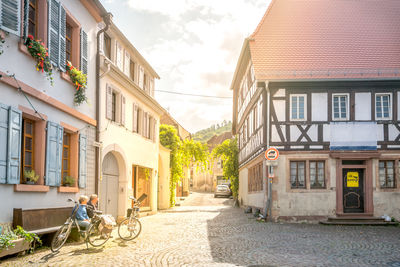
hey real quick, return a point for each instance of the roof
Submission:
(166, 118)
(325, 39)
(218, 139)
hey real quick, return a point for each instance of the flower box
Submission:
(20, 245)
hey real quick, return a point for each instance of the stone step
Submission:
(359, 222)
(358, 219)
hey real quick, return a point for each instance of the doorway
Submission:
(142, 178)
(109, 186)
(353, 190)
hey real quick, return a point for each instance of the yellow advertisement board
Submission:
(352, 179)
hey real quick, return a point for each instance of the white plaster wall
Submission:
(353, 134)
(279, 106)
(387, 203)
(363, 106)
(246, 198)
(319, 108)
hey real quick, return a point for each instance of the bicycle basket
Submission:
(129, 212)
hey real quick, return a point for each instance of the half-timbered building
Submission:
(320, 81)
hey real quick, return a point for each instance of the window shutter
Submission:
(140, 122)
(108, 102)
(82, 161)
(26, 18)
(84, 52)
(3, 142)
(127, 63)
(151, 128)
(10, 16)
(152, 87)
(135, 118)
(145, 124)
(119, 56)
(54, 149)
(141, 77)
(123, 110)
(154, 130)
(53, 31)
(14, 145)
(63, 26)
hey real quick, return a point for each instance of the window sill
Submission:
(31, 188)
(65, 76)
(68, 189)
(23, 49)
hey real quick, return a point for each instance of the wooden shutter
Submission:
(123, 110)
(14, 145)
(84, 52)
(108, 102)
(141, 77)
(53, 31)
(127, 63)
(63, 26)
(82, 160)
(10, 16)
(135, 118)
(54, 149)
(3, 142)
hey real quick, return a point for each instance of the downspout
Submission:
(107, 19)
(267, 209)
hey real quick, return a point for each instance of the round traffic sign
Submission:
(272, 153)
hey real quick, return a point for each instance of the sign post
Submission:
(271, 155)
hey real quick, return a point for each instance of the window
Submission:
(66, 155)
(386, 173)
(114, 107)
(119, 59)
(68, 42)
(297, 174)
(33, 18)
(297, 110)
(255, 119)
(107, 46)
(145, 82)
(132, 70)
(340, 107)
(317, 174)
(255, 178)
(28, 142)
(383, 106)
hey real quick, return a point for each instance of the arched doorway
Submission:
(109, 186)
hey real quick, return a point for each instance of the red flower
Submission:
(42, 44)
(47, 54)
(30, 37)
(30, 46)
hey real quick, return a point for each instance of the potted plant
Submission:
(18, 240)
(31, 177)
(68, 181)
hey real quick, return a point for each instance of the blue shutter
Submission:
(82, 161)
(10, 16)
(3, 142)
(14, 145)
(84, 52)
(63, 25)
(54, 154)
(53, 31)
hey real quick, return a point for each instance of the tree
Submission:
(183, 153)
(228, 151)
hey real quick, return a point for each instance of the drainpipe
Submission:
(107, 19)
(269, 200)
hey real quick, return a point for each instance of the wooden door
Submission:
(353, 190)
(143, 186)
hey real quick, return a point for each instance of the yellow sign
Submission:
(352, 179)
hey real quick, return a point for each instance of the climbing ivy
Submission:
(183, 154)
(228, 151)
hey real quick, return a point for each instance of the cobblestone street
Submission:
(208, 232)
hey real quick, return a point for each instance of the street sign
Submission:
(272, 153)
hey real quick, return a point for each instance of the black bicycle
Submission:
(131, 227)
(92, 235)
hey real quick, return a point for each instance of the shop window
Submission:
(386, 174)
(317, 174)
(297, 174)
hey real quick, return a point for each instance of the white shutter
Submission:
(108, 102)
(84, 52)
(135, 118)
(118, 49)
(123, 110)
(145, 128)
(63, 26)
(10, 16)
(141, 76)
(53, 31)
(127, 63)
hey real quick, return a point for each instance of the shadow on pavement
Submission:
(47, 257)
(78, 252)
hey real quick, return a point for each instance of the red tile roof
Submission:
(314, 39)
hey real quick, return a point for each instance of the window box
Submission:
(31, 188)
(68, 189)
(19, 245)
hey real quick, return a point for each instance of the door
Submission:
(109, 196)
(353, 190)
(142, 183)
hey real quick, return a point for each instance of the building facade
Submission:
(42, 129)
(129, 123)
(329, 102)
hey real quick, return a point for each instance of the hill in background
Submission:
(205, 134)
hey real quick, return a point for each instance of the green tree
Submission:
(228, 151)
(183, 153)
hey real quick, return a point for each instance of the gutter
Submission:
(107, 19)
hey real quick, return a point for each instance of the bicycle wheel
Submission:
(129, 228)
(60, 237)
(95, 237)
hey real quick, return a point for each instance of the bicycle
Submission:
(92, 235)
(131, 227)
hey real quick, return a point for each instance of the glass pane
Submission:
(66, 139)
(65, 164)
(28, 143)
(65, 153)
(293, 180)
(28, 127)
(28, 158)
(32, 14)
(301, 173)
(294, 107)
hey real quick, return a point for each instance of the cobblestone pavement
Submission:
(220, 235)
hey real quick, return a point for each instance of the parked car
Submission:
(222, 190)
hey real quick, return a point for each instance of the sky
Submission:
(194, 46)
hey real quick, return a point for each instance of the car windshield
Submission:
(222, 187)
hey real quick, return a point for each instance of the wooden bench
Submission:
(41, 221)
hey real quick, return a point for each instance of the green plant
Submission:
(39, 52)
(79, 79)
(28, 237)
(69, 181)
(6, 240)
(31, 176)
